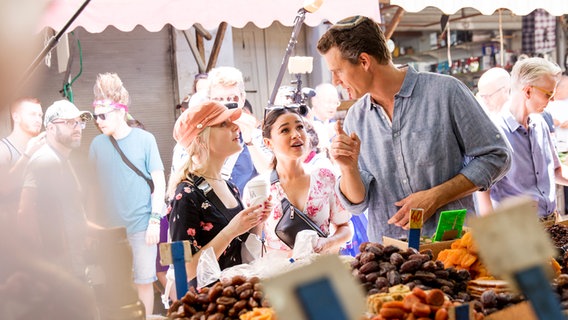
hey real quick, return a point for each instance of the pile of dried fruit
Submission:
(379, 267)
(229, 298)
(419, 304)
(463, 255)
(493, 302)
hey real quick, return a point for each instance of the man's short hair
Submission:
(353, 36)
(530, 70)
(15, 106)
(227, 77)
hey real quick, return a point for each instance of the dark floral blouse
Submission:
(194, 217)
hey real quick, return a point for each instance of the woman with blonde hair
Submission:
(205, 209)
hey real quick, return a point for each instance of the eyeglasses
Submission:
(548, 94)
(301, 109)
(102, 116)
(72, 123)
(229, 99)
(489, 95)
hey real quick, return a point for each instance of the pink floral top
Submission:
(322, 206)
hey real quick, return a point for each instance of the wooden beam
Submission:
(202, 31)
(198, 59)
(394, 22)
(200, 45)
(216, 46)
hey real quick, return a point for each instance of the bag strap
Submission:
(285, 202)
(150, 182)
(287, 207)
(205, 188)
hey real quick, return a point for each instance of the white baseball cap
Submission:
(63, 109)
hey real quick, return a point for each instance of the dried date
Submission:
(381, 282)
(385, 267)
(390, 249)
(226, 301)
(239, 305)
(243, 287)
(410, 266)
(372, 277)
(246, 294)
(229, 291)
(396, 259)
(369, 267)
(393, 277)
(367, 257)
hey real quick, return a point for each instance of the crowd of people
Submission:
(411, 140)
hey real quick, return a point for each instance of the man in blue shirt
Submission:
(405, 142)
(535, 168)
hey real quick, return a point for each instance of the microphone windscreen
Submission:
(312, 6)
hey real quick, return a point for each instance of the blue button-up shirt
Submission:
(533, 165)
(438, 130)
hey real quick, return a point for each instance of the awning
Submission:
(487, 7)
(153, 15)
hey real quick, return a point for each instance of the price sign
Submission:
(514, 246)
(322, 290)
(177, 253)
(416, 220)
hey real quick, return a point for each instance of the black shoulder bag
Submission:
(292, 221)
(130, 165)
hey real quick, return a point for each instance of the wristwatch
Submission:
(249, 143)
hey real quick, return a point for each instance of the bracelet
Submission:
(249, 143)
(155, 215)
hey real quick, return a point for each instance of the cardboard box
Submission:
(521, 310)
(436, 247)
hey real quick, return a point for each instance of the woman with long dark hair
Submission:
(313, 193)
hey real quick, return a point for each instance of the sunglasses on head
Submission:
(349, 23)
(301, 109)
(229, 99)
(231, 105)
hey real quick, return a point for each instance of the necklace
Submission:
(214, 179)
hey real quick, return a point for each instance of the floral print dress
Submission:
(194, 217)
(322, 206)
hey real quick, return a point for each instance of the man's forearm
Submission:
(454, 189)
(351, 185)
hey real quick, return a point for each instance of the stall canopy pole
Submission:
(291, 44)
(501, 40)
(309, 6)
(51, 44)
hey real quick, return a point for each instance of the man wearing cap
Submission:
(127, 199)
(227, 86)
(51, 213)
